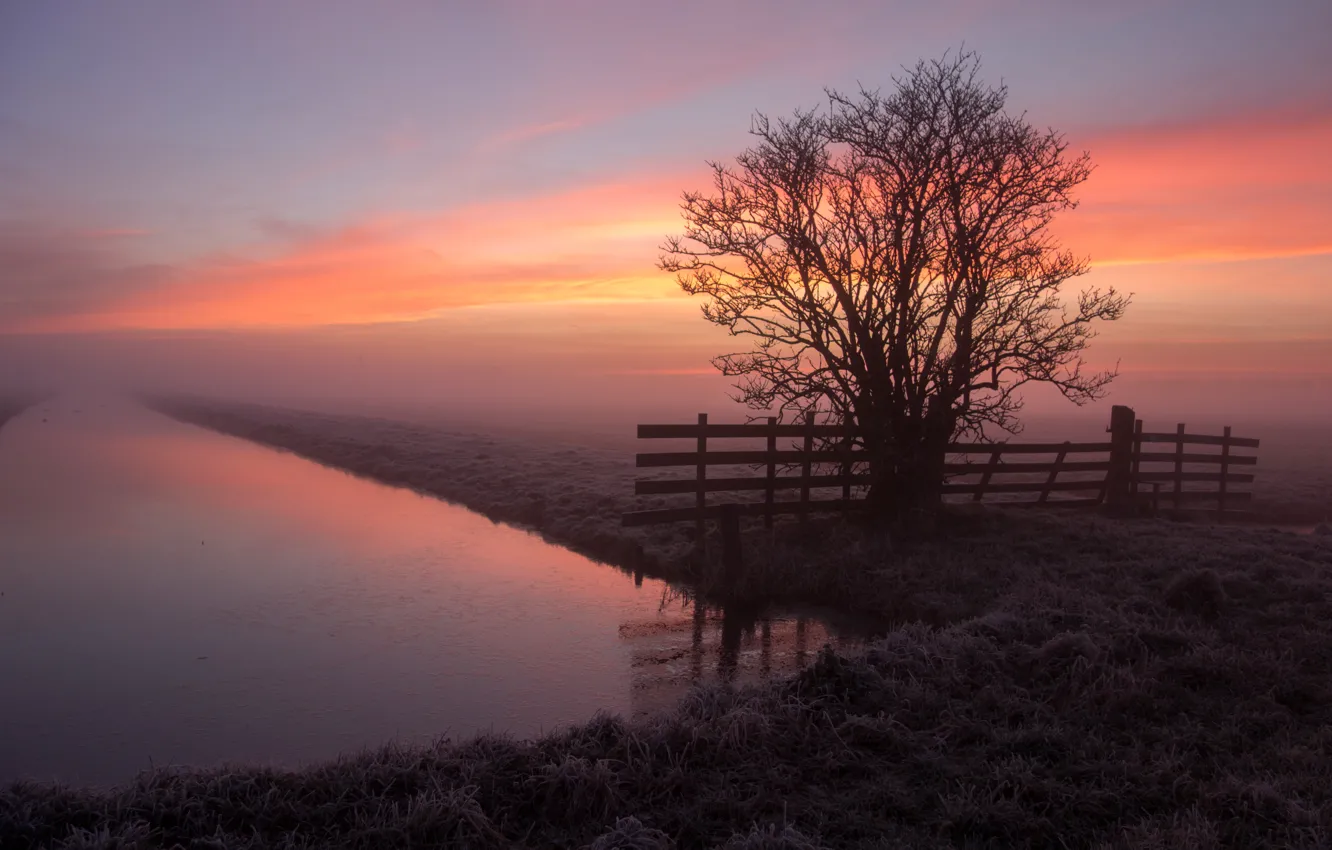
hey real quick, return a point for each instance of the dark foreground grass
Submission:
(1086, 683)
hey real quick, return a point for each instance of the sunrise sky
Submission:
(496, 177)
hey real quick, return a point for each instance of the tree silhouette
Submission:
(890, 256)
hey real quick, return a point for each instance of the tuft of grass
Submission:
(1198, 592)
(629, 833)
(771, 837)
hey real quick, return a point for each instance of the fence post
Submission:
(1225, 466)
(770, 493)
(701, 498)
(1179, 467)
(805, 466)
(1137, 455)
(1119, 478)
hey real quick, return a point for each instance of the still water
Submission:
(174, 596)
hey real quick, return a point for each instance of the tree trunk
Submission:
(906, 476)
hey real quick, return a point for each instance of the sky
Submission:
(464, 200)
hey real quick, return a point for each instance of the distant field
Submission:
(1294, 483)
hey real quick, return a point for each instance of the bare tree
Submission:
(890, 257)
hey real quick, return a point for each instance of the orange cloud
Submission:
(1235, 189)
(1225, 190)
(595, 243)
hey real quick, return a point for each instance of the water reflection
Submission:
(723, 645)
(175, 596)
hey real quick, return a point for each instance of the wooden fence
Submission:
(1115, 473)
(1194, 476)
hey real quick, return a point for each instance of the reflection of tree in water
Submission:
(733, 645)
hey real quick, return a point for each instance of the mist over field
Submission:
(581, 374)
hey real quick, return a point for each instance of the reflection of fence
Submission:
(822, 470)
(1207, 462)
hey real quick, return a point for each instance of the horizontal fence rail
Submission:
(1231, 477)
(1185, 457)
(736, 458)
(1199, 439)
(1022, 467)
(1022, 487)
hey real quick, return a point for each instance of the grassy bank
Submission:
(1113, 686)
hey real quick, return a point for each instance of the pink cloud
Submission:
(528, 132)
(593, 243)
